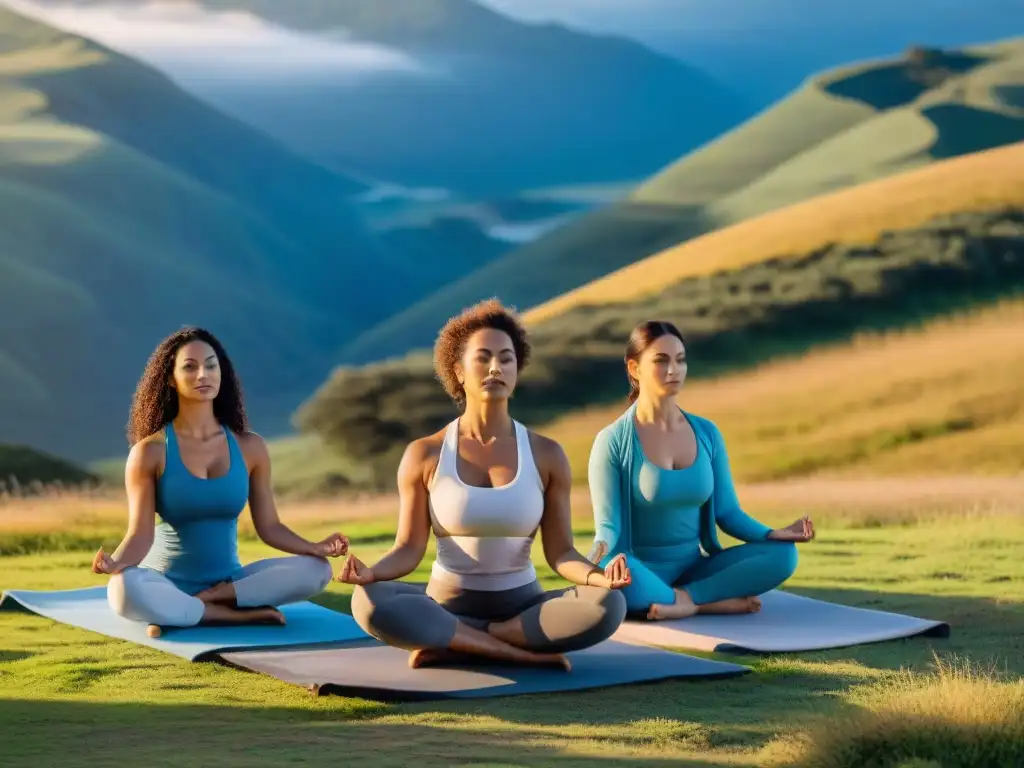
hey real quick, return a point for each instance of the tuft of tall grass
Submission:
(963, 715)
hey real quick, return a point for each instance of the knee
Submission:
(322, 572)
(375, 611)
(121, 591)
(364, 608)
(615, 607)
(784, 559)
(317, 572)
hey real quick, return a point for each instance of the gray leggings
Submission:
(142, 594)
(412, 616)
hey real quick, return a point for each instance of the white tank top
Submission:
(484, 535)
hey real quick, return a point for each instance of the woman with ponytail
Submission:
(661, 486)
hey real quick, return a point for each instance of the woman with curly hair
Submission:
(660, 485)
(195, 465)
(485, 485)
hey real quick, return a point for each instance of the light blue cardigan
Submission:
(610, 477)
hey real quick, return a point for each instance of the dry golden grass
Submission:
(946, 399)
(106, 510)
(963, 714)
(979, 181)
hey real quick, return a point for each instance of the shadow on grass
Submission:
(9, 656)
(42, 733)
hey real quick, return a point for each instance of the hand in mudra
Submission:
(616, 574)
(355, 572)
(800, 531)
(104, 563)
(334, 545)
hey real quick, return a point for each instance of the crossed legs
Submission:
(727, 582)
(542, 627)
(142, 594)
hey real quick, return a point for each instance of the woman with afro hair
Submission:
(195, 465)
(485, 485)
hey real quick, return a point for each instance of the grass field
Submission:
(951, 550)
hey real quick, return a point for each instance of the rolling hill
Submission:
(842, 128)
(877, 256)
(979, 181)
(128, 208)
(22, 467)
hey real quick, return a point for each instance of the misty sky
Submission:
(183, 36)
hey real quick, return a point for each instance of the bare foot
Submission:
(682, 608)
(264, 616)
(224, 592)
(429, 657)
(154, 631)
(732, 606)
(222, 614)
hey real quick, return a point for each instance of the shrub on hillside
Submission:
(22, 468)
(960, 717)
(730, 319)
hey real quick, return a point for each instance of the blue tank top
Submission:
(196, 539)
(666, 506)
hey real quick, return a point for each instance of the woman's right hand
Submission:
(355, 572)
(104, 563)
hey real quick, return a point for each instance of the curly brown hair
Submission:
(451, 341)
(156, 403)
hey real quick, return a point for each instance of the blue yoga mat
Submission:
(307, 624)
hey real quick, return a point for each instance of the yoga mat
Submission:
(307, 623)
(785, 623)
(382, 673)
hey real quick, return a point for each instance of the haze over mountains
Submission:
(437, 93)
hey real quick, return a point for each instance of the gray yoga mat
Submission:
(786, 623)
(307, 623)
(382, 673)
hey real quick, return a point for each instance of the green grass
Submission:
(841, 128)
(732, 320)
(68, 692)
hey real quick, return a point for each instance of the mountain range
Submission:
(843, 127)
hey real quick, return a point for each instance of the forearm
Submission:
(284, 539)
(132, 549)
(573, 567)
(401, 560)
(743, 527)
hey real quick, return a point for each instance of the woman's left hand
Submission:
(800, 531)
(334, 545)
(616, 574)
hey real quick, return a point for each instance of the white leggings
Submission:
(142, 594)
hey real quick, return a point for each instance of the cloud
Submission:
(184, 36)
